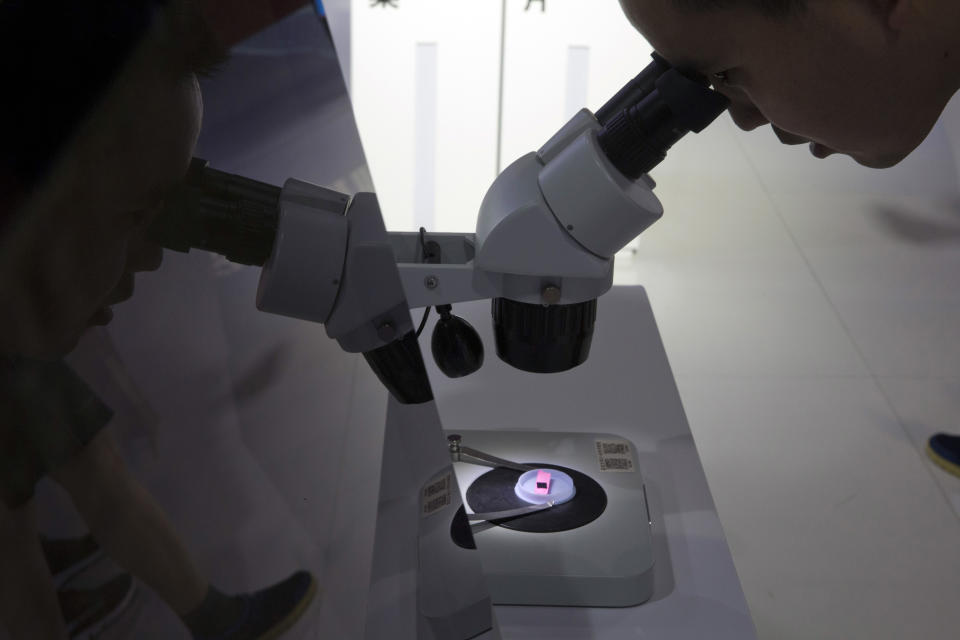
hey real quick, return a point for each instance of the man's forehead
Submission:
(687, 39)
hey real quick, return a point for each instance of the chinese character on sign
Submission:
(543, 5)
(384, 3)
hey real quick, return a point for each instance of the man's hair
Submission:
(778, 8)
(58, 58)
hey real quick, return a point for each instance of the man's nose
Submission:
(746, 116)
(789, 138)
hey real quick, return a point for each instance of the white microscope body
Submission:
(543, 250)
(532, 246)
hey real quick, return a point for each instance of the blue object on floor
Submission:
(271, 611)
(944, 450)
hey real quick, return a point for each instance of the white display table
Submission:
(625, 387)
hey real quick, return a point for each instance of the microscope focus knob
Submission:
(456, 345)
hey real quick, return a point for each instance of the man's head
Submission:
(769, 7)
(103, 122)
(866, 78)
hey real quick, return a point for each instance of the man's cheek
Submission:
(95, 274)
(122, 291)
(113, 270)
(143, 255)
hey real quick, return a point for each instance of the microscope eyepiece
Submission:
(636, 139)
(635, 90)
(220, 212)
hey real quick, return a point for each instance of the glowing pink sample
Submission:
(543, 483)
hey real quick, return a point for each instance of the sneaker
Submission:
(67, 557)
(268, 613)
(87, 612)
(944, 450)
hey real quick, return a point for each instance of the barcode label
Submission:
(616, 464)
(436, 495)
(615, 448)
(614, 456)
(440, 486)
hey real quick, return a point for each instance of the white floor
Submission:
(811, 313)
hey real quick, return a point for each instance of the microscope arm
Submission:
(546, 233)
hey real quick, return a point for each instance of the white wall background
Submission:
(433, 169)
(575, 54)
(539, 79)
(387, 87)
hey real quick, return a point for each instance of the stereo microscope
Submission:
(543, 253)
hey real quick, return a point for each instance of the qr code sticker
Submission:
(614, 456)
(436, 495)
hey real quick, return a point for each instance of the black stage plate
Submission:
(493, 491)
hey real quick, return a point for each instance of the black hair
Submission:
(59, 57)
(777, 8)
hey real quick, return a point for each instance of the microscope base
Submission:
(607, 562)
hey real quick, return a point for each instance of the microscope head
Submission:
(551, 223)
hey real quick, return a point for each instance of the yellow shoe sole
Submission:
(942, 462)
(291, 619)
